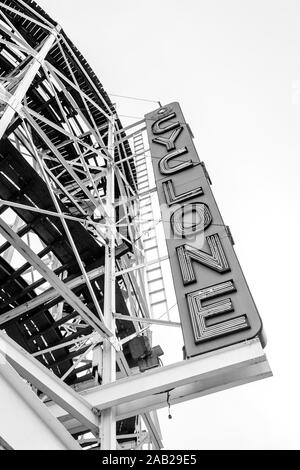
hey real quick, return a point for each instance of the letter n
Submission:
(216, 260)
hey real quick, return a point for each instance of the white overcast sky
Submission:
(234, 66)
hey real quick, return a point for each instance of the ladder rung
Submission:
(158, 303)
(150, 239)
(157, 291)
(146, 213)
(151, 249)
(155, 280)
(153, 269)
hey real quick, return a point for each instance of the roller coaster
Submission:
(76, 302)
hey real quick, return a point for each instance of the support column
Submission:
(108, 416)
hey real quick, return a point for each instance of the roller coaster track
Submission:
(54, 128)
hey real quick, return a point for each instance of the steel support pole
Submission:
(108, 416)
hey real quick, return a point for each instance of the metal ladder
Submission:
(154, 273)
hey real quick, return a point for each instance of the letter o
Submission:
(201, 219)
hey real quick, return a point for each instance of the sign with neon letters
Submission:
(215, 304)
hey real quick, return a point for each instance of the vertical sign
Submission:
(214, 301)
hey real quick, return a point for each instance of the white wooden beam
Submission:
(152, 431)
(108, 416)
(197, 389)
(43, 379)
(192, 378)
(174, 375)
(26, 423)
(151, 321)
(179, 395)
(140, 266)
